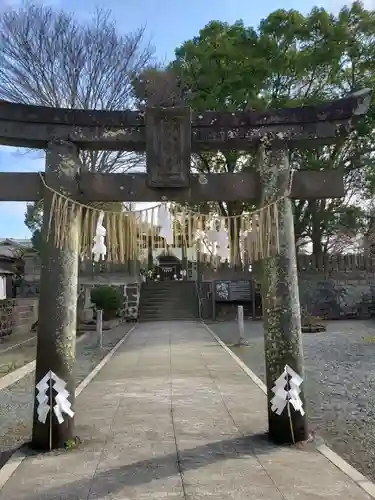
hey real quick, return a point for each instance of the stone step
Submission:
(166, 312)
(167, 293)
(156, 293)
(168, 284)
(173, 289)
(168, 307)
(145, 320)
(165, 296)
(164, 290)
(176, 314)
(167, 301)
(168, 298)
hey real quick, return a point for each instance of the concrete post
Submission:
(213, 298)
(56, 346)
(88, 303)
(280, 296)
(241, 325)
(99, 326)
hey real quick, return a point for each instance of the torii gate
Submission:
(169, 135)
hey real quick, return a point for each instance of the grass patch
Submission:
(311, 324)
(10, 367)
(72, 444)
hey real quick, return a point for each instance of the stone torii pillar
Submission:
(56, 347)
(280, 295)
(169, 136)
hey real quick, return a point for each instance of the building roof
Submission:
(12, 248)
(5, 271)
(10, 252)
(17, 242)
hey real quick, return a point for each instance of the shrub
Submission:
(107, 298)
(310, 323)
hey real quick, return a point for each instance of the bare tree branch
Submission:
(48, 58)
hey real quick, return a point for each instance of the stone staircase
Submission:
(168, 301)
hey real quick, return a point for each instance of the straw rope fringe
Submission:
(133, 234)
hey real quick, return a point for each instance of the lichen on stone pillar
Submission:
(56, 340)
(281, 305)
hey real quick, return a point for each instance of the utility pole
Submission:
(56, 342)
(280, 296)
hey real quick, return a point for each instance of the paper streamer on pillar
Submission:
(61, 404)
(287, 391)
(115, 233)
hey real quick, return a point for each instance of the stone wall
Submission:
(6, 317)
(17, 316)
(205, 300)
(337, 299)
(28, 289)
(328, 298)
(25, 314)
(333, 287)
(131, 302)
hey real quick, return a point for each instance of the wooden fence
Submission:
(350, 265)
(336, 262)
(322, 264)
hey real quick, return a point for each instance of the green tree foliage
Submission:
(291, 59)
(107, 298)
(34, 221)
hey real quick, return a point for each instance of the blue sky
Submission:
(168, 24)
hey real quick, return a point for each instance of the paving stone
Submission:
(173, 417)
(339, 383)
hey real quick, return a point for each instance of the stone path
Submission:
(173, 416)
(339, 382)
(16, 400)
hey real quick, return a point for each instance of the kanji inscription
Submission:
(168, 147)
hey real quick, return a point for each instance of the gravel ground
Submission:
(10, 341)
(16, 358)
(339, 383)
(16, 401)
(16, 351)
(17, 354)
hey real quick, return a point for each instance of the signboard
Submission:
(240, 290)
(233, 291)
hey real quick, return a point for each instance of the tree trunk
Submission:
(56, 346)
(316, 233)
(234, 240)
(281, 306)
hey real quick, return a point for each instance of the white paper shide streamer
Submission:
(165, 223)
(287, 390)
(99, 250)
(62, 404)
(218, 240)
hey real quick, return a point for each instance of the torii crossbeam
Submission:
(169, 136)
